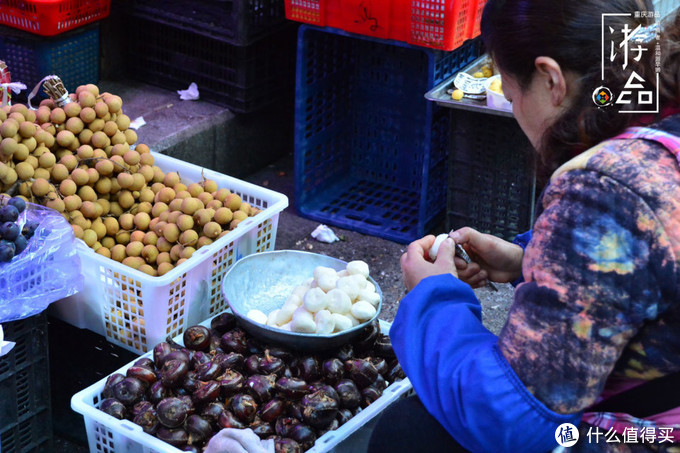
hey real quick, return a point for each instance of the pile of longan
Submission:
(78, 159)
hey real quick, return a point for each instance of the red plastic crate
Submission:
(51, 17)
(439, 24)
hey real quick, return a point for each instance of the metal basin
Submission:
(264, 281)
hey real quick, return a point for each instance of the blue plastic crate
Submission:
(73, 56)
(370, 150)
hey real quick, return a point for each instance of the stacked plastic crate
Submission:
(240, 53)
(39, 38)
(371, 154)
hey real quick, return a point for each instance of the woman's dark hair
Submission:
(516, 32)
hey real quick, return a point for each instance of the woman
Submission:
(596, 312)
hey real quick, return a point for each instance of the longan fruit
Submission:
(233, 202)
(187, 252)
(204, 216)
(158, 228)
(214, 205)
(191, 205)
(69, 161)
(90, 237)
(85, 137)
(195, 189)
(223, 216)
(57, 204)
(112, 226)
(154, 221)
(180, 187)
(134, 248)
(92, 88)
(142, 220)
(9, 128)
(72, 110)
(162, 244)
(188, 238)
(97, 125)
(131, 157)
(118, 138)
(147, 159)
(108, 242)
(42, 115)
(77, 231)
(176, 252)
(65, 138)
(205, 198)
(212, 229)
(103, 251)
(240, 215)
(24, 170)
(88, 115)
(130, 136)
(150, 253)
(147, 172)
(163, 257)
(148, 269)
(86, 99)
(101, 154)
(114, 103)
(93, 176)
(110, 129)
(138, 181)
(100, 140)
(185, 222)
(67, 187)
(166, 195)
(123, 122)
(72, 203)
(127, 221)
(99, 228)
(144, 206)
(136, 236)
(8, 146)
(19, 108)
(180, 261)
(210, 186)
(103, 186)
(203, 241)
(222, 194)
(30, 143)
(57, 116)
(158, 174)
(80, 176)
(18, 117)
(234, 223)
(26, 129)
(171, 216)
(42, 173)
(125, 180)
(157, 187)
(10, 178)
(49, 128)
(47, 160)
(158, 208)
(78, 219)
(44, 138)
(101, 109)
(118, 252)
(171, 232)
(164, 268)
(59, 172)
(87, 193)
(134, 262)
(182, 194)
(75, 125)
(150, 238)
(104, 167)
(21, 153)
(89, 210)
(105, 206)
(41, 187)
(39, 151)
(171, 179)
(123, 237)
(126, 199)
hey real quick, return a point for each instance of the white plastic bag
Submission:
(46, 271)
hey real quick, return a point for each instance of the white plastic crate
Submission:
(136, 311)
(106, 434)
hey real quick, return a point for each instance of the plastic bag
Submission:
(46, 271)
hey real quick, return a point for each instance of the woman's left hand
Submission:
(414, 266)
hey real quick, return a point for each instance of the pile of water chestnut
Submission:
(224, 378)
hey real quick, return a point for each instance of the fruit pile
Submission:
(79, 160)
(13, 237)
(223, 378)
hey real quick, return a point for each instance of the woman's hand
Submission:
(231, 440)
(415, 267)
(492, 258)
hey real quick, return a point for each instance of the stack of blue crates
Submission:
(371, 153)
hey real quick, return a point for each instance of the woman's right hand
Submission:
(492, 258)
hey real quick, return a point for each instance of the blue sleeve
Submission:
(522, 240)
(460, 375)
